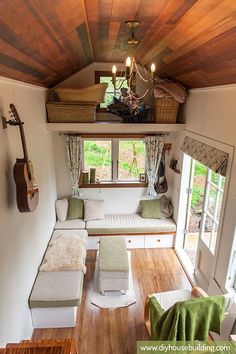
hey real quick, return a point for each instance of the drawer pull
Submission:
(98, 241)
(158, 240)
(129, 241)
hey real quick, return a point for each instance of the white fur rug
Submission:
(113, 299)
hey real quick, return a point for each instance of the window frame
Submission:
(99, 74)
(115, 182)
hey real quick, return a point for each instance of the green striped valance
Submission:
(209, 156)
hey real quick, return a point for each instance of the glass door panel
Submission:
(195, 208)
(213, 197)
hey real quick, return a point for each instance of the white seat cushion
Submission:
(57, 289)
(73, 224)
(169, 298)
(128, 224)
(83, 234)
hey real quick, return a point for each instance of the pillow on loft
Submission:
(151, 209)
(93, 209)
(61, 209)
(75, 208)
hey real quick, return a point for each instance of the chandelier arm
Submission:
(146, 92)
(119, 87)
(130, 96)
(141, 77)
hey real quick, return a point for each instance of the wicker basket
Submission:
(166, 110)
(66, 112)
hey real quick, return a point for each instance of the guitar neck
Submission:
(26, 156)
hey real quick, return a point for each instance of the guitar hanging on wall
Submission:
(27, 193)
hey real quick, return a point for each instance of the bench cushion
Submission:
(57, 289)
(113, 255)
(73, 224)
(83, 234)
(129, 224)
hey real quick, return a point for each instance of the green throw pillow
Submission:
(151, 209)
(75, 208)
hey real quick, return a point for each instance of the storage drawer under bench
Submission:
(159, 241)
(138, 241)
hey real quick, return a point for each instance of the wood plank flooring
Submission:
(103, 331)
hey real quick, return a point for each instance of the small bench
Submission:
(113, 264)
(56, 296)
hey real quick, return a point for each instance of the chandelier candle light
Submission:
(131, 67)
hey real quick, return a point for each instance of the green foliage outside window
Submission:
(98, 154)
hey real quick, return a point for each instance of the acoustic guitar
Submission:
(27, 193)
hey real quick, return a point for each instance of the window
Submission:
(115, 160)
(106, 77)
(131, 160)
(98, 154)
(213, 197)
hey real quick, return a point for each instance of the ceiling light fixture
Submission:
(131, 68)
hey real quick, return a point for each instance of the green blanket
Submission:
(188, 320)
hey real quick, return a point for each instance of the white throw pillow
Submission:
(61, 209)
(93, 210)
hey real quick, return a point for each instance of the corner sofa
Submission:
(56, 295)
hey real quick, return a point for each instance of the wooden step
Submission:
(42, 346)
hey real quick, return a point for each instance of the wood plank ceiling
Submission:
(45, 41)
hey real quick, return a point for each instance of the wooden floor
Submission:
(103, 331)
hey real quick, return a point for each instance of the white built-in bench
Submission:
(138, 232)
(56, 296)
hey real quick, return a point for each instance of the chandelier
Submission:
(131, 71)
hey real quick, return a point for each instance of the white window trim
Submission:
(114, 159)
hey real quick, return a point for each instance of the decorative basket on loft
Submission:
(130, 106)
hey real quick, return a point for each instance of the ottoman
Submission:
(113, 264)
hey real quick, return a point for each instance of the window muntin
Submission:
(115, 160)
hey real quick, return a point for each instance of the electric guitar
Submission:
(27, 193)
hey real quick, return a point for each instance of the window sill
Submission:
(115, 185)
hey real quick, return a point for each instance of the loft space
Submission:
(101, 208)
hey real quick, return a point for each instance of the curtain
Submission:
(73, 148)
(154, 147)
(209, 156)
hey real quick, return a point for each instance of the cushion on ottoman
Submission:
(113, 254)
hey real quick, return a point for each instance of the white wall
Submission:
(86, 77)
(212, 113)
(117, 200)
(23, 236)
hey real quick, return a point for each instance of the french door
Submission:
(205, 196)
